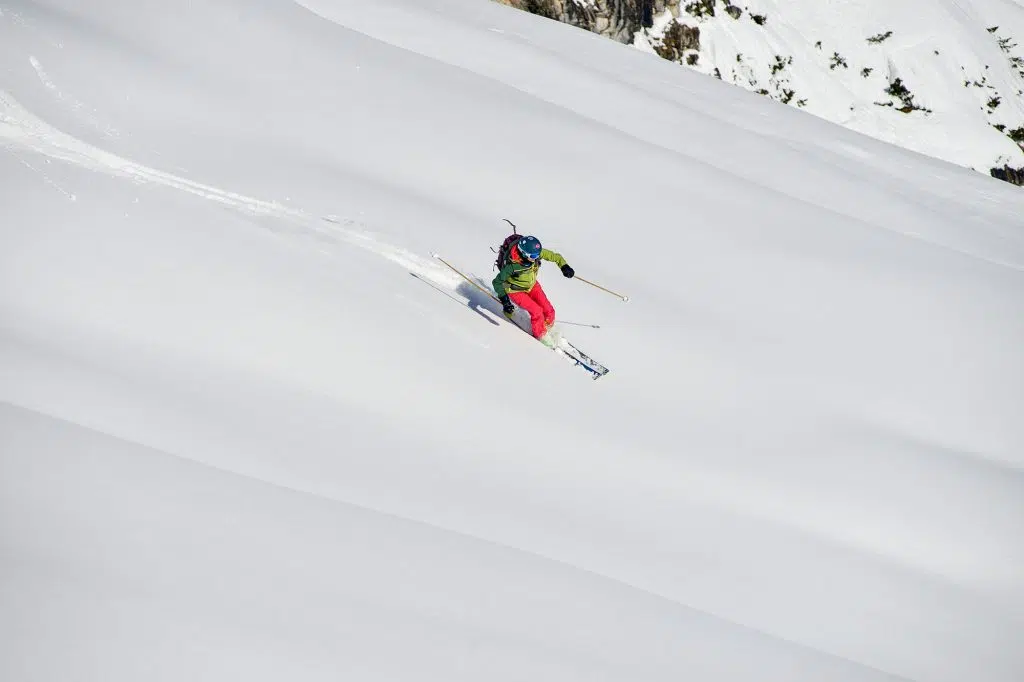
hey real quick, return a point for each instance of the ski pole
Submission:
(456, 271)
(624, 298)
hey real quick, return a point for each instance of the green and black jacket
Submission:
(519, 274)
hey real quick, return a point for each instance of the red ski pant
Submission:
(535, 302)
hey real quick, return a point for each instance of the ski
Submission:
(578, 357)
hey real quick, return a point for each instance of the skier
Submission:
(517, 283)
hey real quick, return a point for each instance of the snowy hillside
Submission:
(941, 77)
(251, 430)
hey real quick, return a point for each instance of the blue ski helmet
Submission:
(529, 248)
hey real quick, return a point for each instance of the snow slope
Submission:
(251, 430)
(960, 62)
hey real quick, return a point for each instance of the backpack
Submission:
(506, 246)
(505, 250)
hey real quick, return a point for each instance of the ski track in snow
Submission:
(19, 128)
(46, 178)
(88, 114)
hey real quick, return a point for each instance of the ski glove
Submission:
(506, 305)
(568, 271)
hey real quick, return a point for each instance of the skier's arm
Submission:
(552, 257)
(500, 282)
(557, 259)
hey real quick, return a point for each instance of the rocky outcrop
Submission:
(1014, 176)
(617, 19)
(677, 40)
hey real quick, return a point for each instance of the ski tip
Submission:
(435, 255)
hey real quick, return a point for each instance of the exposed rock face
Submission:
(616, 19)
(677, 40)
(1014, 176)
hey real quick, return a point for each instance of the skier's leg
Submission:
(523, 300)
(541, 299)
